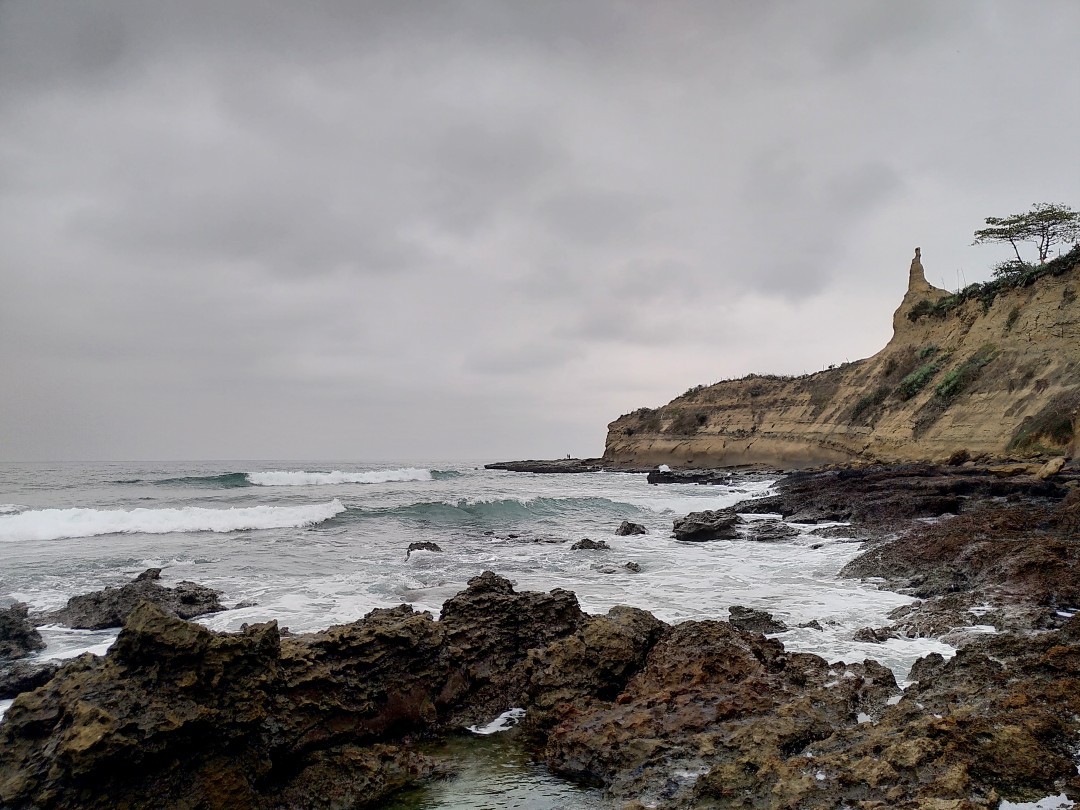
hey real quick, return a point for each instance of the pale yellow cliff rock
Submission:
(993, 378)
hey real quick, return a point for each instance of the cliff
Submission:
(993, 371)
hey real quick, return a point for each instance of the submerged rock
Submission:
(422, 546)
(110, 607)
(590, 545)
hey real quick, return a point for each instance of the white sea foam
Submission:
(8, 508)
(1059, 802)
(302, 478)
(54, 524)
(504, 721)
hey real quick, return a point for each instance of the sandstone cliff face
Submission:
(994, 371)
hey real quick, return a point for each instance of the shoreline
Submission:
(582, 678)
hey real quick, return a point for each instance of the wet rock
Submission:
(422, 546)
(755, 621)
(590, 545)
(658, 476)
(927, 667)
(110, 607)
(770, 531)
(22, 676)
(707, 694)
(813, 624)
(489, 631)
(885, 497)
(719, 524)
(176, 715)
(593, 663)
(839, 532)
(874, 635)
(558, 465)
(18, 638)
(633, 566)
(628, 528)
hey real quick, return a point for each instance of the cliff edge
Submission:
(993, 371)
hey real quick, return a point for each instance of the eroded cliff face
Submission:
(993, 373)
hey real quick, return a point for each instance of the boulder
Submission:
(18, 638)
(422, 546)
(110, 607)
(589, 545)
(754, 621)
(22, 676)
(770, 531)
(711, 524)
(1051, 468)
(628, 528)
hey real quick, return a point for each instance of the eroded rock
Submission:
(755, 621)
(110, 607)
(710, 524)
(585, 544)
(628, 528)
(18, 638)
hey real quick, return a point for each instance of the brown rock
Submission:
(110, 607)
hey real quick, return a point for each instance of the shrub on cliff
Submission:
(916, 381)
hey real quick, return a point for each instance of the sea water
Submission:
(312, 544)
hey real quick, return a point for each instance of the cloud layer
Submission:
(371, 230)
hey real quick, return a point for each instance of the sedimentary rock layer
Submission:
(995, 374)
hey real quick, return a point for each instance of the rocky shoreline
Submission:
(699, 714)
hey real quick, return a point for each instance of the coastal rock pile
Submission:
(700, 714)
(110, 607)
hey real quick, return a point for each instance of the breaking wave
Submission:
(301, 478)
(497, 512)
(55, 524)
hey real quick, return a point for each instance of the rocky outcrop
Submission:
(754, 621)
(558, 465)
(627, 528)
(994, 370)
(709, 524)
(110, 607)
(422, 545)
(697, 714)
(18, 638)
(179, 716)
(585, 544)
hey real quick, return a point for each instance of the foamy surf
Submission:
(302, 478)
(55, 524)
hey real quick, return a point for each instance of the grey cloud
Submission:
(274, 228)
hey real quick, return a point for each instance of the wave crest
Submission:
(55, 524)
(301, 478)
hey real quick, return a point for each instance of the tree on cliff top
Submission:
(1046, 224)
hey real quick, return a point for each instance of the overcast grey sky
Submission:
(406, 230)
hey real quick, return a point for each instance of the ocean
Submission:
(312, 544)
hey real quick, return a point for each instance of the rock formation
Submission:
(993, 370)
(109, 607)
(697, 714)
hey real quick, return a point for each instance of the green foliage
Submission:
(1046, 224)
(1055, 425)
(1014, 316)
(868, 403)
(687, 423)
(916, 381)
(962, 376)
(690, 392)
(927, 351)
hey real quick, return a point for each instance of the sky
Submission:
(483, 229)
